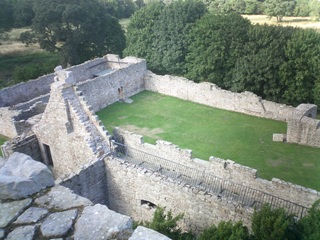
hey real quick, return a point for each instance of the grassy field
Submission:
(213, 132)
(2, 140)
(302, 22)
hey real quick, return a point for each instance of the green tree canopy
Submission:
(77, 29)
(23, 12)
(216, 42)
(159, 33)
(310, 224)
(273, 224)
(279, 8)
(6, 15)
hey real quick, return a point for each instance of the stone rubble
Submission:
(58, 213)
(21, 176)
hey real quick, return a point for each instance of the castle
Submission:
(53, 120)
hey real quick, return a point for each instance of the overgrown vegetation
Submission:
(214, 132)
(266, 223)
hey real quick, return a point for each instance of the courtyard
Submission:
(207, 131)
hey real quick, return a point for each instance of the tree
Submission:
(279, 8)
(23, 12)
(171, 34)
(314, 6)
(6, 15)
(225, 230)
(167, 224)
(141, 35)
(273, 224)
(77, 29)
(216, 42)
(258, 71)
(159, 33)
(300, 70)
(310, 224)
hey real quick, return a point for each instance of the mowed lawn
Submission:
(213, 132)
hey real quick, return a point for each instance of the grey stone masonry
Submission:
(58, 213)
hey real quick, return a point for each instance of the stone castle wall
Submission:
(211, 95)
(303, 127)
(25, 91)
(225, 169)
(89, 182)
(133, 190)
(103, 91)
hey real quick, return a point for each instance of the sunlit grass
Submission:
(214, 132)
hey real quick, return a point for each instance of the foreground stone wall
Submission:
(211, 95)
(303, 127)
(103, 91)
(135, 191)
(225, 169)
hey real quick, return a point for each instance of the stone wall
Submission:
(7, 124)
(211, 95)
(225, 169)
(69, 134)
(28, 145)
(135, 191)
(303, 127)
(25, 91)
(89, 182)
(103, 91)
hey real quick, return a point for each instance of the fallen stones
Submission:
(21, 176)
(142, 233)
(58, 224)
(11, 210)
(99, 222)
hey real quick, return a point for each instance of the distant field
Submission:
(213, 132)
(302, 22)
(2, 140)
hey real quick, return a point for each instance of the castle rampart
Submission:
(303, 127)
(211, 95)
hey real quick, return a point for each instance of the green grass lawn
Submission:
(213, 132)
(2, 140)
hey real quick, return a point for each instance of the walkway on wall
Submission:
(222, 188)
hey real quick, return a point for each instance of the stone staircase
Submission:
(98, 139)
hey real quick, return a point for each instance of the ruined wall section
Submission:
(66, 130)
(103, 91)
(225, 169)
(89, 182)
(25, 91)
(211, 95)
(302, 127)
(132, 190)
(7, 124)
(28, 145)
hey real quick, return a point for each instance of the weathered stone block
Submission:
(21, 176)
(279, 137)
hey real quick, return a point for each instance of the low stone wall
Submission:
(211, 95)
(225, 169)
(7, 125)
(303, 128)
(103, 91)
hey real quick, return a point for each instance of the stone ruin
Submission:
(31, 207)
(53, 120)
